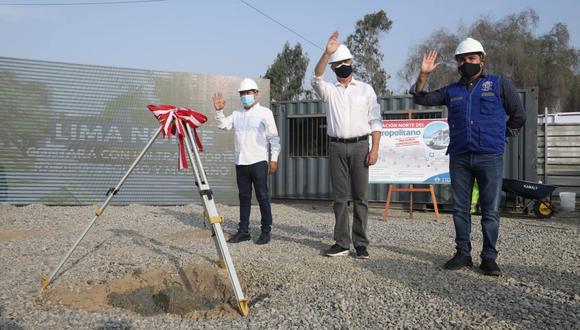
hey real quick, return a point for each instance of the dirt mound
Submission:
(184, 236)
(192, 291)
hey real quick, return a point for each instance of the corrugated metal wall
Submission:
(559, 159)
(306, 177)
(69, 132)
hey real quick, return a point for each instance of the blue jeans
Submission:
(256, 175)
(488, 170)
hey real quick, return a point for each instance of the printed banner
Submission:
(71, 131)
(412, 151)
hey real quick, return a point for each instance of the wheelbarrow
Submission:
(530, 192)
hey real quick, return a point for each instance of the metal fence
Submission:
(559, 155)
(303, 164)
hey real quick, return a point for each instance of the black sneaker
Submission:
(361, 252)
(336, 251)
(239, 237)
(263, 239)
(490, 267)
(458, 261)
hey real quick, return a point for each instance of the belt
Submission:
(349, 140)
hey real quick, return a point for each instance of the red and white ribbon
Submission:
(172, 119)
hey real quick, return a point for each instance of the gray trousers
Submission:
(348, 161)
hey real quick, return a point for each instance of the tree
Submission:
(573, 102)
(364, 45)
(445, 44)
(287, 73)
(546, 61)
(24, 99)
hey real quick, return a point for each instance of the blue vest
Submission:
(477, 120)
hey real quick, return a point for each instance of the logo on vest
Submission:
(487, 86)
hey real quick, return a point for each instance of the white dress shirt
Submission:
(350, 112)
(254, 129)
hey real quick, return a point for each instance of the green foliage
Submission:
(573, 101)
(24, 99)
(364, 46)
(546, 61)
(287, 73)
(445, 44)
(128, 107)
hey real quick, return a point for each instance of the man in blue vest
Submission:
(483, 110)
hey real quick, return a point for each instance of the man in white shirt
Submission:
(254, 129)
(352, 113)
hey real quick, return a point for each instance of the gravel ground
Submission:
(289, 283)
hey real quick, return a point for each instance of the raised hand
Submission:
(429, 64)
(332, 44)
(219, 102)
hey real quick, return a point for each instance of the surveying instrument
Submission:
(179, 122)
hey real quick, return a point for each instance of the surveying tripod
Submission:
(210, 214)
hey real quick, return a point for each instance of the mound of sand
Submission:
(191, 291)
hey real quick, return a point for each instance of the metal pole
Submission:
(546, 145)
(197, 168)
(44, 280)
(215, 221)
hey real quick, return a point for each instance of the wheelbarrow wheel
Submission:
(543, 209)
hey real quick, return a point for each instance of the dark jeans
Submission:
(350, 174)
(256, 175)
(488, 170)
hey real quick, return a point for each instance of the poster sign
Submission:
(412, 151)
(71, 131)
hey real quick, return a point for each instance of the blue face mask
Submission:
(247, 100)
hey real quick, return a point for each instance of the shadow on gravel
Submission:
(197, 221)
(157, 247)
(315, 243)
(150, 243)
(530, 276)
(187, 218)
(259, 298)
(81, 258)
(115, 325)
(469, 288)
(436, 259)
(310, 207)
(8, 324)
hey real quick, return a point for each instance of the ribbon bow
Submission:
(172, 119)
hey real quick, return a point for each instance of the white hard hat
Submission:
(469, 45)
(342, 53)
(247, 85)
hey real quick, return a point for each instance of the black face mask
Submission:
(343, 71)
(469, 70)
